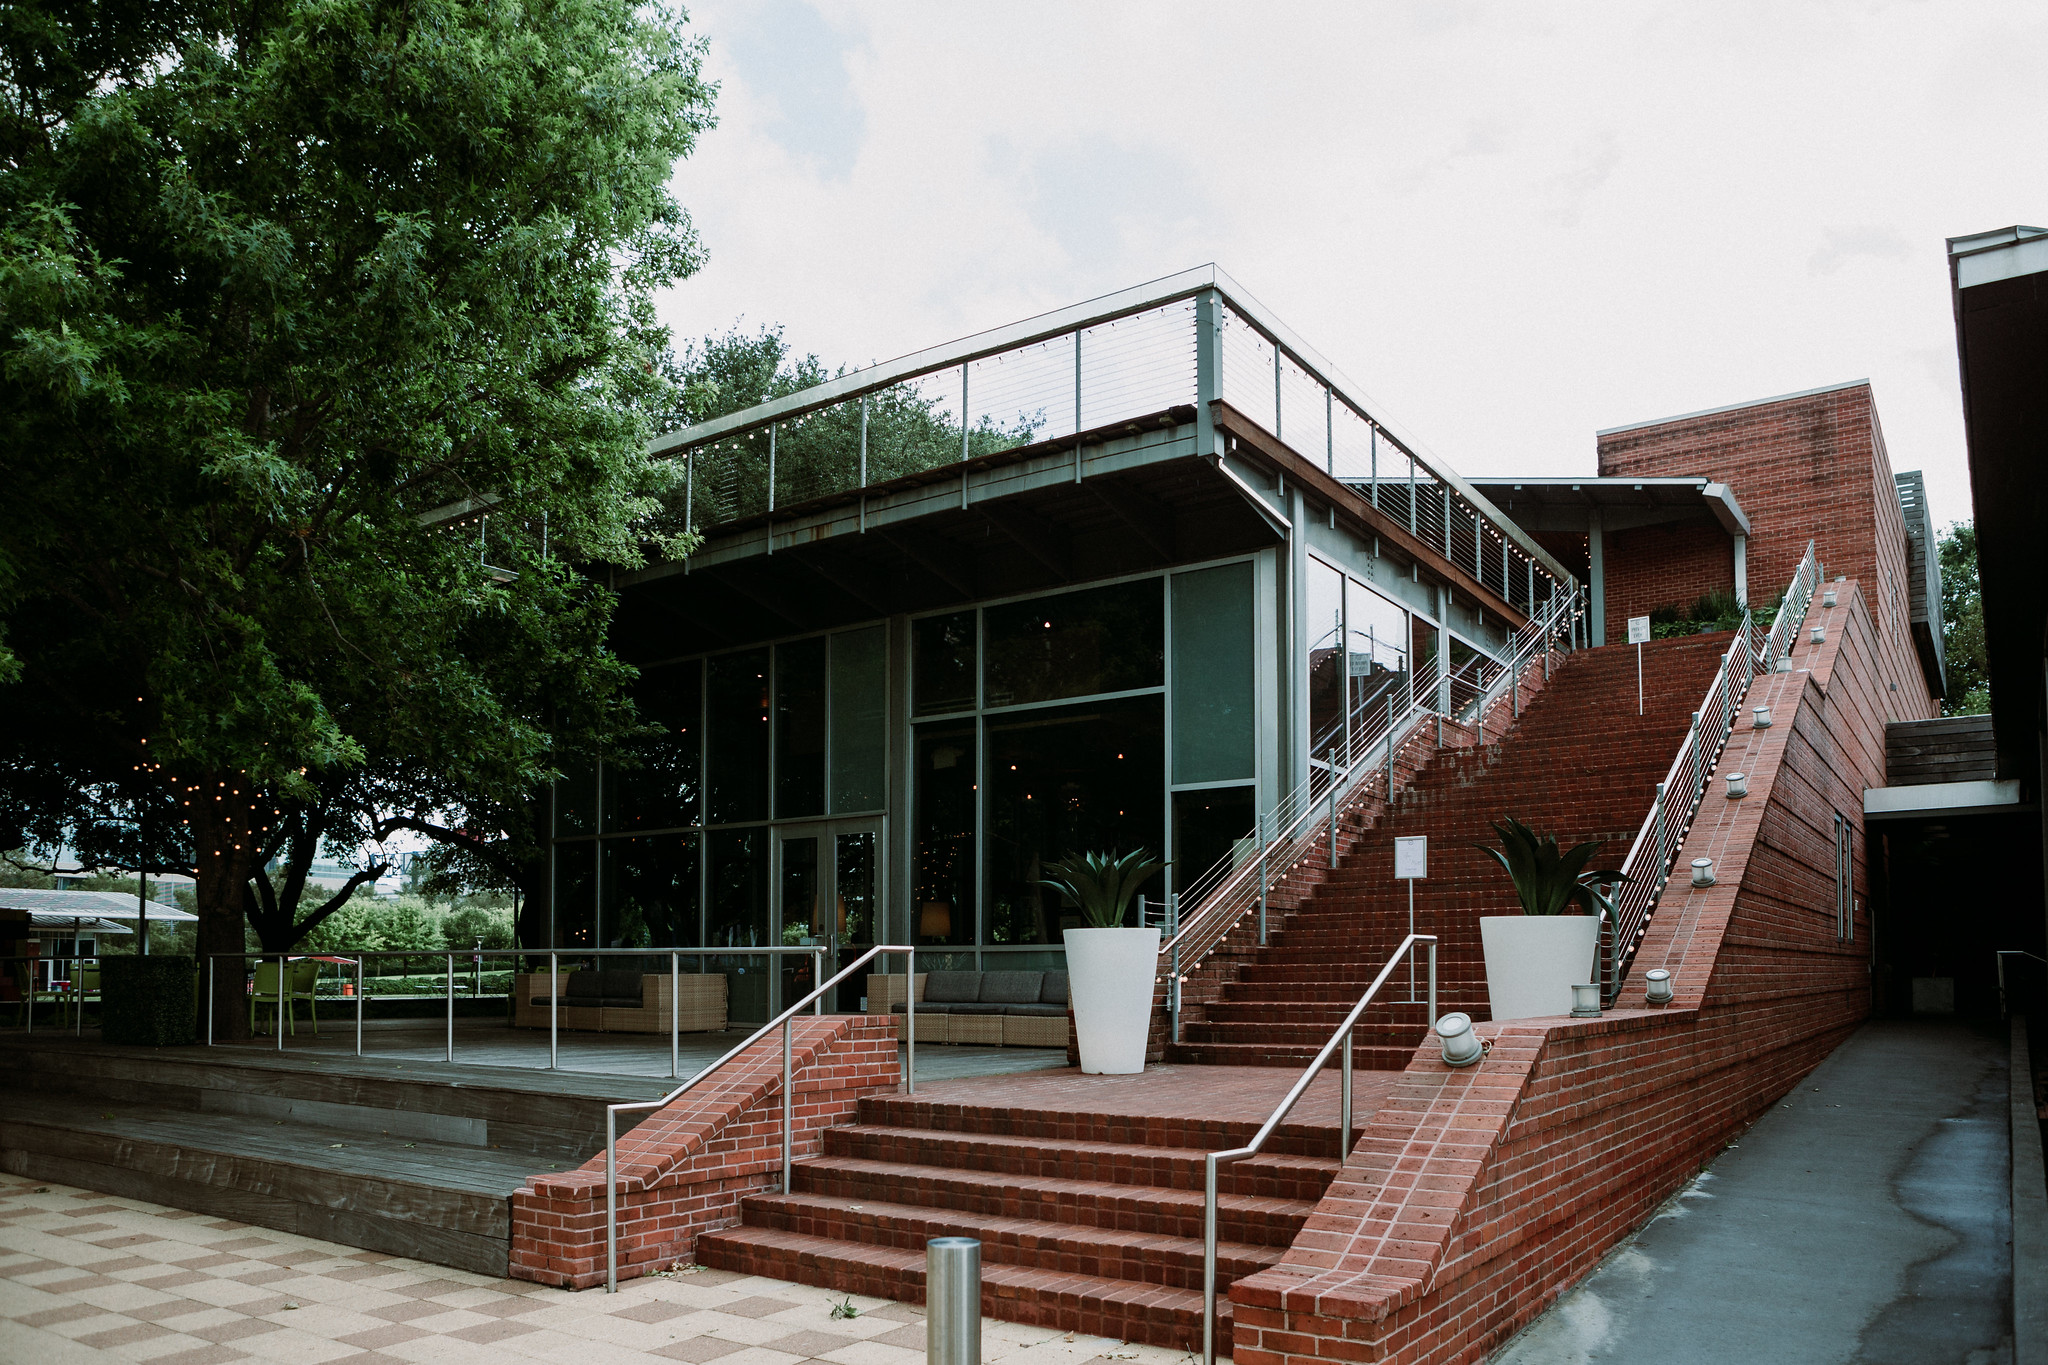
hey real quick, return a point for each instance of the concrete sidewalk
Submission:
(1865, 1218)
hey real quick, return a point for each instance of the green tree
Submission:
(330, 358)
(1962, 624)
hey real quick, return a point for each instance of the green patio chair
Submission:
(298, 985)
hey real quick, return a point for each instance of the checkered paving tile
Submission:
(87, 1277)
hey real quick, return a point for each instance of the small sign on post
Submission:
(1411, 864)
(1639, 635)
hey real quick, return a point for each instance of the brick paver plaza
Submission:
(90, 1277)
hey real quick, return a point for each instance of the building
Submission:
(1126, 575)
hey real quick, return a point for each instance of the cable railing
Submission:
(1170, 347)
(277, 989)
(1238, 886)
(784, 1021)
(1341, 1037)
(1648, 867)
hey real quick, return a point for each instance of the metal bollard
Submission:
(952, 1298)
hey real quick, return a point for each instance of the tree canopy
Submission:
(1962, 624)
(330, 358)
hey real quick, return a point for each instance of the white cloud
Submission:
(1513, 224)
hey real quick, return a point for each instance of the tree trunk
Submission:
(227, 841)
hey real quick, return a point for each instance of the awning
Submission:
(1941, 799)
(66, 905)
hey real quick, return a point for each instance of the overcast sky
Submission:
(1512, 224)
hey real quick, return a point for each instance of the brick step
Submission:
(1125, 1310)
(1296, 1055)
(1393, 1011)
(1267, 1176)
(1151, 1256)
(1274, 1033)
(1140, 1130)
(1094, 1204)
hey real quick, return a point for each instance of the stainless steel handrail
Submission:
(612, 1111)
(1665, 825)
(357, 956)
(1211, 1160)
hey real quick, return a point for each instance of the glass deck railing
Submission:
(1167, 349)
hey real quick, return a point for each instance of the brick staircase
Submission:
(1090, 1218)
(1580, 764)
(1089, 1222)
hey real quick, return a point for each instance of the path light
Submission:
(1819, 635)
(1827, 599)
(1761, 717)
(1784, 664)
(1738, 785)
(1659, 983)
(1702, 871)
(1586, 1001)
(1462, 1047)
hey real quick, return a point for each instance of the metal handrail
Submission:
(612, 1111)
(1647, 869)
(1211, 1160)
(357, 956)
(1999, 955)
(1239, 887)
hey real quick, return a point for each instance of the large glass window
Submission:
(575, 894)
(1211, 826)
(1109, 639)
(657, 787)
(1375, 652)
(942, 663)
(738, 911)
(650, 892)
(800, 728)
(576, 797)
(942, 901)
(1325, 657)
(1213, 736)
(737, 734)
(1083, 779)
(860, 720)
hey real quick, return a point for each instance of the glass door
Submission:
(828, 893)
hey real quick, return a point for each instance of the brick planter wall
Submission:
(1474, 1198)
(685, 1168)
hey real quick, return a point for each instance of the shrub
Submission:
(148, 1001)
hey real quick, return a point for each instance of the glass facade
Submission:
(1214, 684)
(1109, 639)
(1360, 644)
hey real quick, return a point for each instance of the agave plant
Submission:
(1548, 882)
(1102, 884)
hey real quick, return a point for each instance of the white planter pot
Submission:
(1533, 961)
(1110, 972)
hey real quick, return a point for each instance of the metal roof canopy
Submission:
(1138, 298)
(1665, 499)
(87, 905)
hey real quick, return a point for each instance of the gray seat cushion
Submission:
(1053, 990)
(1010, 988)
(952, 988)
(925, 1007)
(592, 1002)
(1038, 1011)
(979, 1007)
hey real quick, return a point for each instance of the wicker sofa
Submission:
(994, 1009)
(616, 1001)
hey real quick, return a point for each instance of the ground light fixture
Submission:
(1760, 717)
(1738, 785)
(1462, 1047)
(1827, 599)
(1586, 1001)
(1702, 871)
(1658, 984)
(1819, 635)
(1784, 663)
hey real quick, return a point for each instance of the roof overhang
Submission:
(67, 905)
(1564, 504)
(1999, 282)
(2000, 796)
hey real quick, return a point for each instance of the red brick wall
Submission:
(1654, 566)
(1812, 467)
(685, 1168)
(1474, 1198)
